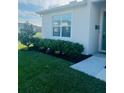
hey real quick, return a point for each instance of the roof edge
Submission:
(68, 6)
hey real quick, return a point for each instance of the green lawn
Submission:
(41, 73)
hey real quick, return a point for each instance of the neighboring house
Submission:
(37, 28)
(83, 22)
(21, 26)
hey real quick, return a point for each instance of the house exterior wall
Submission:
(95, 19)
(83, 30)
(79, 27)
(94, 33)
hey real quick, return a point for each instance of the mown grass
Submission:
(41, 73)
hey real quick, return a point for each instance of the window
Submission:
(66, 25)
(56, 31)
(62, 25)
(66, 31)
(56, 26)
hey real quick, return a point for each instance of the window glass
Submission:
(66, 31)
(66, 20)
(56, 31)
(56, 20)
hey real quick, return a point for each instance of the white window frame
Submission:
(61, 25)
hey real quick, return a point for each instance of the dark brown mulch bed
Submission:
(63, 56)
(72, 59)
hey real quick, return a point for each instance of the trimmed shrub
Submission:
(59, 46)
(35, 41)
(73, 49)
(36, 44)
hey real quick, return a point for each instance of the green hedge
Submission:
(66, 47)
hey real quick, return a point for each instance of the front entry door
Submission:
(103, 46)
(103, 33)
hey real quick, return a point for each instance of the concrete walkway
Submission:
(93, 66)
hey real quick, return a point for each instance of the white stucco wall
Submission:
(94, 34)
(95, 19)
(83, 31)
(79, 27)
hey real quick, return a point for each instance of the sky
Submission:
(27, 9)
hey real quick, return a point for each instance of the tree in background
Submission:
(26, 34)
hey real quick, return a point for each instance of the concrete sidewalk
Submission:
(93, 66)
